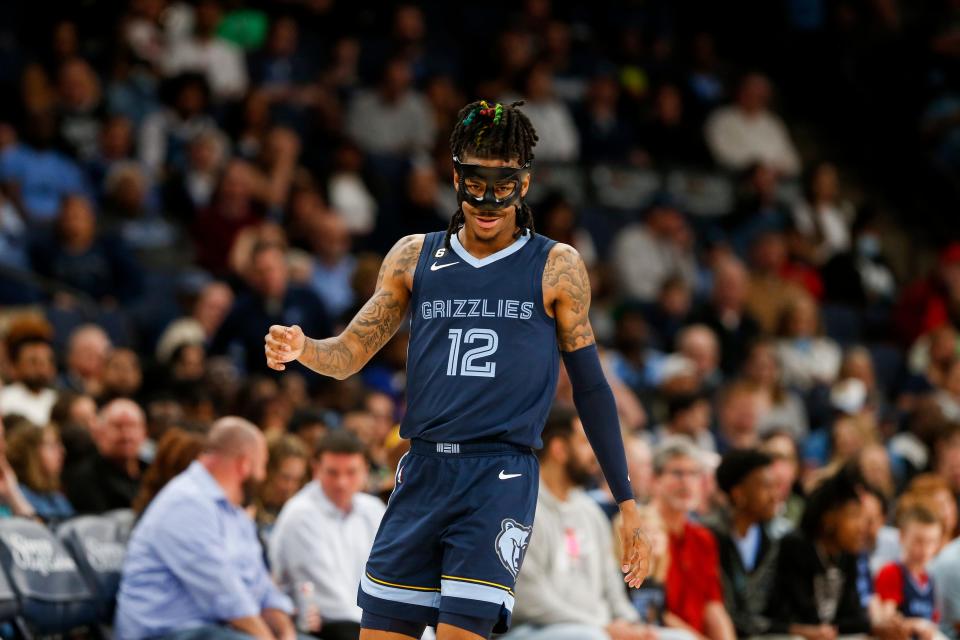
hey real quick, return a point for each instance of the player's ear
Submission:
(456, 179)
(525, 185)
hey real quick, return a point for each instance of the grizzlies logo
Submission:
(511, 543)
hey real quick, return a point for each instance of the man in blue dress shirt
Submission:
(194, 567)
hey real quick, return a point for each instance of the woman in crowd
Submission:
(175, 451)
(36, 456)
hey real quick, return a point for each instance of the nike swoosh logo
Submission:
(507, 476)
(437, 267)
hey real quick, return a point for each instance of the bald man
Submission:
(194, 567)
(110, 477)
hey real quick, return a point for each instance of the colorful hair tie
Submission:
(470, 117)
(498, 114)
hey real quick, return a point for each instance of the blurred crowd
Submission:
(177, 176)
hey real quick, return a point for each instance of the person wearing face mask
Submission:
(861, 275)
(194, 565)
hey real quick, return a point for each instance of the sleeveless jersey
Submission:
(482, 361)
(918, 600)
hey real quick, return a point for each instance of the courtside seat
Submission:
(98, 544)
(54, 596)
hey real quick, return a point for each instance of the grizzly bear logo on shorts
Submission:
(511, 543)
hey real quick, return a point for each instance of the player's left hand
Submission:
(636, 545)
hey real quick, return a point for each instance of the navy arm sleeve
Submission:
(593, 398)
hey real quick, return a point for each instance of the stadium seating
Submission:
(98, 544)
(54, 597)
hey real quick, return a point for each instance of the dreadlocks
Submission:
(494, 131)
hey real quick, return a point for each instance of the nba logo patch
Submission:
(440, 253)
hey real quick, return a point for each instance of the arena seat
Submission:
(125, 519)
(98, 544)
(54, 596)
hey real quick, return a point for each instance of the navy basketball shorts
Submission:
(454, 534)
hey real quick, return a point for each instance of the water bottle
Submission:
(305, 591)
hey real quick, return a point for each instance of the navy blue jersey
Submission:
(918, 599)
(483, 359)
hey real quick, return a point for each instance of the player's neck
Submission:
(481, 248)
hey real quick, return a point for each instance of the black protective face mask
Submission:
(489, 188)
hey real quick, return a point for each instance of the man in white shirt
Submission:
(220, 61)
(747, 132)
(34, 370)
(324, 535)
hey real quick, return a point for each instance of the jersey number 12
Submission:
(468, 365)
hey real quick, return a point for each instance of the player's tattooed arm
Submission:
(376, 322)
(566, 288)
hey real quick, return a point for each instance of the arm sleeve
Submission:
(598, 412)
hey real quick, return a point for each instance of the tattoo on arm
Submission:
(375, 323)
(566, 275)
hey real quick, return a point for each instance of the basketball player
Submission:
(491, 302)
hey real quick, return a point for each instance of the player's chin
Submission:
(487, 221)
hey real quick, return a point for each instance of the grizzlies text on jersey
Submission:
(482, 361)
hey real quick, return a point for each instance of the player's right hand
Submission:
(283, 344)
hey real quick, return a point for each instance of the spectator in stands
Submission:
(669, 135)
(747, 549)
(689, 416)
(234, 209)
(726, 313)
(287, 463)
(166, 133)
(931, 302)
(392, 119)
(741, 409)
(194, 566)
(699, 343)
(772, 289)
(606, 135)
(823, 218)
(207, 53)
(189, 191)
(34, 370)
(76, 417)
(13, 502)
(325, 532)
(785, 468)
(271, 300)
(671, 312)
(570, 586)
(333, 264)
(905, 583)
(122, 375)
(310, 425)
(807, 359)
(815, 592)
(81, 112)
(787, 411)
(175, 451)
(694, 592)
(646, 253)
(35, 175)
(747, 131)
(79, 255)
(559, 140)
(87, 351)
(36, 456)
(110, 479)
(933, 492)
